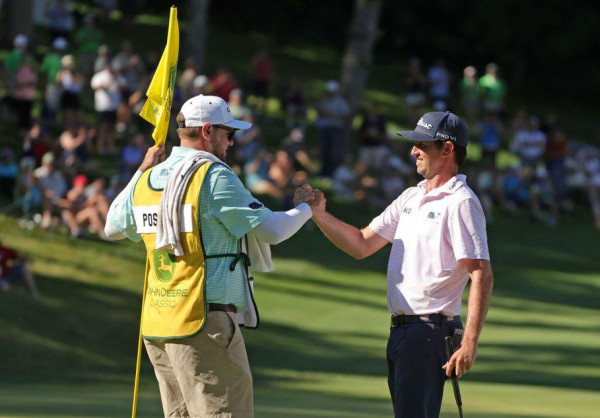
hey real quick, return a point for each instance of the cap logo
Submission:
(446, 136)
(228, 111)
(424, 124)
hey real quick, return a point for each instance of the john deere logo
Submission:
(164, 265)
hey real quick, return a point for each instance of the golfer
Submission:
(198, 224)
(438, 236)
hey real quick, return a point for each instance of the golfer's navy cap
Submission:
(439, 126)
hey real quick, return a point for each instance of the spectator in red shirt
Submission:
(36, 143)
(262, 68)
(555, 158)
(222, 83)
(12, 268)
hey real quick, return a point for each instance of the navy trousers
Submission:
(415, 356)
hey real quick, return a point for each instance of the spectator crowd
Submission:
(56, 178)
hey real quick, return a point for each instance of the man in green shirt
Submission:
(88, 39)
(492, 90)
(12, 62)
(51, 66)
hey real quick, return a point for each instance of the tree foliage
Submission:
(546, 48)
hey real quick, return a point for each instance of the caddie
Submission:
(202, 229)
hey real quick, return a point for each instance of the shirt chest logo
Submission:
(433, 215)
(407, 210)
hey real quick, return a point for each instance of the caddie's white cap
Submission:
(203, 109)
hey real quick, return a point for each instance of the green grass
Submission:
(320, 350)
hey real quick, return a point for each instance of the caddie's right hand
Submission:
(154, 155)
(303, 194)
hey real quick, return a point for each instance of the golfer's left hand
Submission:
(318, 204)
(462, 360)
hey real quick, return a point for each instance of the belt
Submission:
(400, 320)
(219, 307)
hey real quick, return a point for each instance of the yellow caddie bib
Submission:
(175, 301)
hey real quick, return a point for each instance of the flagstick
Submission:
(158, 104)
(139, 354)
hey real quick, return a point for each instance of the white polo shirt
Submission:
(430, 233)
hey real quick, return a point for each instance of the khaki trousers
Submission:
(206, 375)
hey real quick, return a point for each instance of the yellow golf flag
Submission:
(157, 109)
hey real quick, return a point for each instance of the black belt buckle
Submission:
(436, 318)
(401, 320)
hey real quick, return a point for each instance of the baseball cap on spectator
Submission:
(60, 44)
(470, 71)
(440, 106)
(80, 181)
(103, 49)
(20, 41)
(48, 157)
(296, 135)
(439, 126)
(200, 81)
(68, 61)
(235, 94)
(332, 86)
(492, 67)
(203, 109)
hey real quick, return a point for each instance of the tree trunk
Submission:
(19, 15)
(357, 59)
(196, 33)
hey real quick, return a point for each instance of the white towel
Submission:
(259, 253)
(168, 226)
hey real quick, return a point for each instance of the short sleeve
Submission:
(120, 214)
(231, 203)
(467, 231)
(98, 80)
(386, 223)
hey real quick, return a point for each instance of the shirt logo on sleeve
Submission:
(407, 210)
(255, 205)
(433, 215)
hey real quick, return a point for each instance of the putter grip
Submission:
(449, 352)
